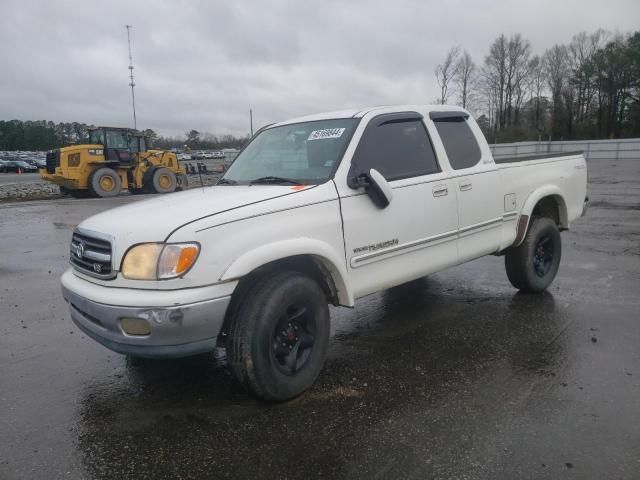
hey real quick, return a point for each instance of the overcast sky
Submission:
(203, 64)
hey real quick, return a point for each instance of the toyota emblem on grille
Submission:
(79, 249)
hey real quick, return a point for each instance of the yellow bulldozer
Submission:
(114, 160)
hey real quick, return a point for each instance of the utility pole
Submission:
(131, 83)
(251, 120)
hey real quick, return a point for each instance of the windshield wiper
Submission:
(275, 181)
(226, 181)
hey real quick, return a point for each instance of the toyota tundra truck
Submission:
(317, 210)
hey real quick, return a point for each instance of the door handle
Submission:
(440, 190)
(464, 186)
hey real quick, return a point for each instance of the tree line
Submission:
(46, 135)
(589, 88)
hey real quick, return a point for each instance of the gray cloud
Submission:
(203, 64)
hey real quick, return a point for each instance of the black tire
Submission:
(104, 183)
(279, 335)
(163, 180)
(532, 266)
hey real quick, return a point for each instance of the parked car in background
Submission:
(35, 162)
(19, 166)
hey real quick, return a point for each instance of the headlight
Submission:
(159, 261)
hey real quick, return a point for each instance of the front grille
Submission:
(91, 255)
(53, 160)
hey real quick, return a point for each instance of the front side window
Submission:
(304, 153)
(459, 142)
(397, 148)
(137, 144)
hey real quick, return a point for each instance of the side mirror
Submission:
(376, 187)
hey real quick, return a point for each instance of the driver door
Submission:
(416, 233)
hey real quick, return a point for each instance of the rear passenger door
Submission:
(416, 233)
(476, 182)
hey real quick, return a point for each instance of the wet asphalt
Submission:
(452, 376)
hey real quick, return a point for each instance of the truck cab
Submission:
(316, 210)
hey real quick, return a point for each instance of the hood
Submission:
(153, 220)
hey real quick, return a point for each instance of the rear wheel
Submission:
(105, 182)
(279, 335)
(532, 266)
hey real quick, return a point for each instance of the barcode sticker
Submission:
(326, 133)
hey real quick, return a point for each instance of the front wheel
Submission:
(163, 180)
(532, 266)
(279, 335)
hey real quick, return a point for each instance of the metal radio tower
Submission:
(132, 83)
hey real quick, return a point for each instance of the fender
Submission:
(530, 203)
(279, 250)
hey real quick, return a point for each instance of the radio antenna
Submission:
(131, 83)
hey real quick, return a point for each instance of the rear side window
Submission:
(459, 142)
(397, 148)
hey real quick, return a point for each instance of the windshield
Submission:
(304, 153)
(117, 139)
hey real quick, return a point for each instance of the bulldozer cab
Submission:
(120, 144)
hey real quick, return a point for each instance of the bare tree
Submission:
(581, 52)
(537, 78)
(446, 73)
(518, 50)
(494, 75)
(506, 72)
(557, 68)
(465, 78)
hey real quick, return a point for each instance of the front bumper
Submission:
(178, 330)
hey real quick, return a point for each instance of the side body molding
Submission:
(271, 252)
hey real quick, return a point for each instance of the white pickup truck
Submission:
(317, 210)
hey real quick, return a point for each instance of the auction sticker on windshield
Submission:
(326, 133)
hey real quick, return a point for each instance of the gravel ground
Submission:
(32, 187)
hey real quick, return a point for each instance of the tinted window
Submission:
(459, 142)
(396, 148)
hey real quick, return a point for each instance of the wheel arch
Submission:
(310, 256)
(545, 202)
